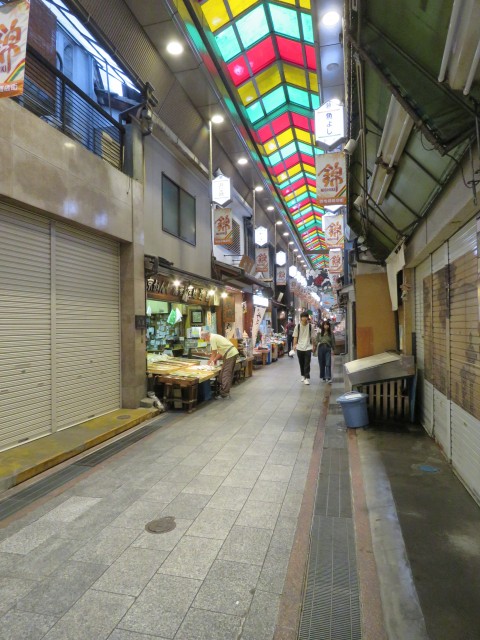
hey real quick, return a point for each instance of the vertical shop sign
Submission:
(261, 260)
(228, 304)
(258, 314)
(223, 224)
(13, 45)
(336, 261)
(281, 276)
(333, 229)
(331, 179)
(230, 330)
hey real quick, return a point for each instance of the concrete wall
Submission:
(375, 318)
(44, 171)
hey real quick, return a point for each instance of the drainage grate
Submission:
(331, 603)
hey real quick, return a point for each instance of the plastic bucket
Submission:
(354, 407)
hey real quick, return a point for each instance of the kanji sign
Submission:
(13, 44)
(331, 179)
(281, 276)
(223, 226)
(333, 229)
(221, 190)
(335, 261)
(261, 260)
(330, 124)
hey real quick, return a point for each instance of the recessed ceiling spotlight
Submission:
(217, 118)
(242, 161)
(175, 48)
(270, 208)
(330, 18)
(279, 222)
(259, 188)
(291, 242)
(295, 250)
(286, 233)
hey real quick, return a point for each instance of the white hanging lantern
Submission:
(281, 258)
(261, 236)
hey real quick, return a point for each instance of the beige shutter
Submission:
(87, 326)
(465, 355)
(25, 319)
(425, 388)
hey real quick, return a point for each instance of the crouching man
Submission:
(222, 349)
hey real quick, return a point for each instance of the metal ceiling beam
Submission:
(419, 124)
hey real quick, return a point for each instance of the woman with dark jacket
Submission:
(325, 347)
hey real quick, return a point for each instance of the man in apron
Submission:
(223, 349)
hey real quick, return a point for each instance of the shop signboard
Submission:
(331, 179)
(335, 261)
(221, 190)
(333, 229)
(223, 226)
(281, 276)
(13, 43)
(261, 260)
(247, 264)
(330, 124)
(258, 314)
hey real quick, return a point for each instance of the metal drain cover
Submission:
(162, 525)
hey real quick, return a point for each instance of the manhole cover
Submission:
(162, 525)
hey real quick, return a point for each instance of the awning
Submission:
(160, 267)
(237, 277)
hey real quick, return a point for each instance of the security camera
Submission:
(350, 146)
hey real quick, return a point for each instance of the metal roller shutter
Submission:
(465, 355)
(422, 273)
(87, 327)
(25, 320)
(440, 349)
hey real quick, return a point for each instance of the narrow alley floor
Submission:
(286, 525)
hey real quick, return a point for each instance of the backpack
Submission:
(310, 333)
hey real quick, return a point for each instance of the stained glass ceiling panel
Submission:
(268, 51)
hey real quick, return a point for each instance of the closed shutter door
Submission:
(440, 349)
(25, 319)
(423, 300)
(465, 355)
(87, 327)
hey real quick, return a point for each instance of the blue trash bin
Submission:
(354, 407)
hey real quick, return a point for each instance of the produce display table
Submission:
(179, 380)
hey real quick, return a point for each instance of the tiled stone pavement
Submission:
(80, 565)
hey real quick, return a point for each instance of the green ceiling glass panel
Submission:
(297, 96)
(255, 112)
(305, 148)
(315, 105)
(228, 44)
(253, 27)
(288, 150)
(275, 158)
(274, 100)
(307, 27)
(285, 21)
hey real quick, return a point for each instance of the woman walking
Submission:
(325, 345)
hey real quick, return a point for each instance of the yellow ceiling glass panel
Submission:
(307, 167)
(295, 76)
(269, 79)
(312, 79)
(305, 4)
(298, 192)
(284, 138)
(247, 93)
(303, 136)
(237, 6)
(215, 14)
(289, 197)
(288, 2)
(270, 147)
(292, 172)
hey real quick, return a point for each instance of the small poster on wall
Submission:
(229, 330)
(229, 309)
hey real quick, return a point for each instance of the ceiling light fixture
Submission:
(175, 48)
(286, 233)
(217, 118)
(396, 132)
(330, 18)
(258, 188)
(242, 161)
(461, 54)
